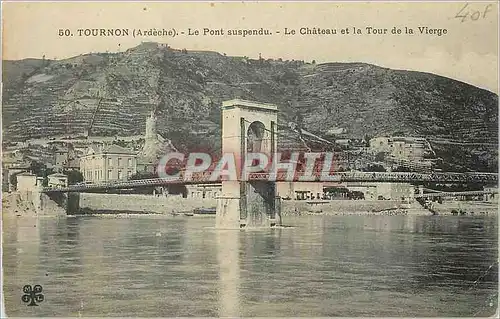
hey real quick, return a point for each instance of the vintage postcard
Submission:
(250, 159)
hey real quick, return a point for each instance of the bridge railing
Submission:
(453, 194)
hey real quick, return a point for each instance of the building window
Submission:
(119, 174)
(110, 162)
(110, 174)
(129, 162)
(119, 161)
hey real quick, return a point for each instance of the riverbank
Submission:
(22, 204)
(470, 208)
(137, 205)
(14, 205)
(351, 207)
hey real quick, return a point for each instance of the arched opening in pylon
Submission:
(255, 135)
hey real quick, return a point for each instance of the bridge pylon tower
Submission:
(248, 127)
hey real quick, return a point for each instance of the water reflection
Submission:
(22, 248)
(228, 259)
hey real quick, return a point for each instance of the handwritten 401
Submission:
(467, 14)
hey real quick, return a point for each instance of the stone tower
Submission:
(248, 127)
(155, 146)
(151, 133)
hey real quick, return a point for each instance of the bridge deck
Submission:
(206, 177)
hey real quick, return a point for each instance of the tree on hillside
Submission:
(374, 168)
(37, 168)
(177, 189)
(380, 157)
(356, 195)
(45, 173)
(289, 78)
(367, 139)
(13, 179)
(143, 189)
(74, 177)
(40, 170)
(143, 175)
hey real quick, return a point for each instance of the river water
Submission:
(319, 266)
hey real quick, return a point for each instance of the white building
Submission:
(401, 147)
(57, 180)
(26, 182)
(108, 163)
(300, 190)
(384, 191)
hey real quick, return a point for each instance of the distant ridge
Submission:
(47, 98)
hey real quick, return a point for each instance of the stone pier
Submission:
(248, 127)
(30, 190)
(60, 203)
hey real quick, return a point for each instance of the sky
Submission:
(467, 52)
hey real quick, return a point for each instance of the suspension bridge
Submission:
(341, 177)
(250, 127)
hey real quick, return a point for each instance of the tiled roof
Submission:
(116, 149)
(110, 149)
(25, 174)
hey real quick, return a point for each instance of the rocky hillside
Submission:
(112, 94)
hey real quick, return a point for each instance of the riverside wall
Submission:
(143, 203)
(176, 204)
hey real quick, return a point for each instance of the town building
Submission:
(65, 158)
(380, 144)
(383, 191)
(490, 197)
(401, 147)
(300, 190)
(13, 162)
(26, 181)
(57, 180)
(204, 191)
(108, 163)
(287, 190)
